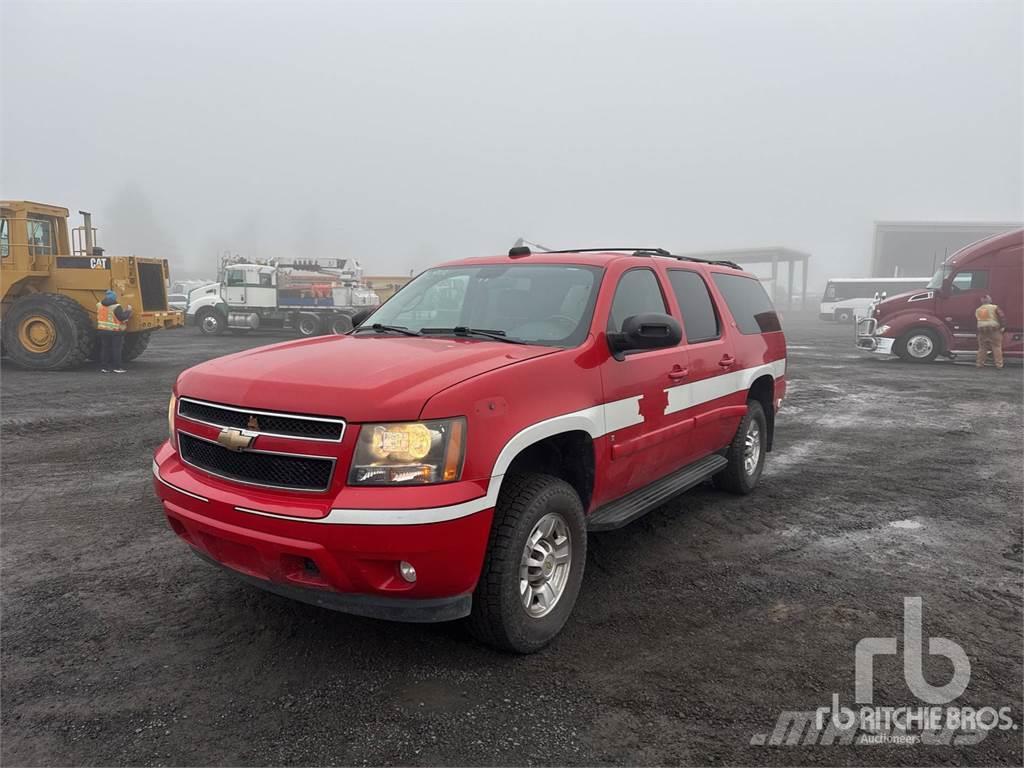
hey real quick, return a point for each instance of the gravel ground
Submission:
(696, 627)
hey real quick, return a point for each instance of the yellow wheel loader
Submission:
(49, 291)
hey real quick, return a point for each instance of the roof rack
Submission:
(520, 251)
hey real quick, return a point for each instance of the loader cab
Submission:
(31, 235)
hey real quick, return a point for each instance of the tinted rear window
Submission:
(695, 303)
(748, 302)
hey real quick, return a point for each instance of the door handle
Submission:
(727, 361)
(678, 373)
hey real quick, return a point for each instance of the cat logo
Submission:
(253, 424)
(235, 439)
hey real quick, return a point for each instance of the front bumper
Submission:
(342, 566)
(867, 341)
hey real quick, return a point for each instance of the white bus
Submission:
(847, 298)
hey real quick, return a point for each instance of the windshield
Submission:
(938, 278)
(549, 304)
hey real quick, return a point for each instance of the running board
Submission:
(638, 503)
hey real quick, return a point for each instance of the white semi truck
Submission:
(309, 297)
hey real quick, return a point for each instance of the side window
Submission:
(695, 303)
(236, 277)
(40, 237)
(749, 304)
(265, 280)
(636, 294)
(5, 240)
(970, 281)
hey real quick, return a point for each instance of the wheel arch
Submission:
(762, 389)
(566, 455)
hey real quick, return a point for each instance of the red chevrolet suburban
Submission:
(447, 457)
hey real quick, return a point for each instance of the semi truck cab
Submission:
(939, 319)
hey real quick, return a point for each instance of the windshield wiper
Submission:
(462, 330)
(380, 328)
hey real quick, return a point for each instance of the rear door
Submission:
(711, 359)
(642, 445)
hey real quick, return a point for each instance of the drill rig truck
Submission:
(49, 288)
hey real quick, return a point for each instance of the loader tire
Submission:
(48, 332)
(135, 344)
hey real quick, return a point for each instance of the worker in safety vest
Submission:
(991, 324)
(111, 325)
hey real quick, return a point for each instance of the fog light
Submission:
(407, 571)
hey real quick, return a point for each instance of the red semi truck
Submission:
(939, 319)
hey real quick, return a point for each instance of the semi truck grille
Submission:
(303, 427)
(277, 470)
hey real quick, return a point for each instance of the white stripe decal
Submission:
(597, 421)
(622, 413)
(704, 391)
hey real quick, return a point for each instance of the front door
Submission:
(960, 297)
(234, 287)
(640, 435)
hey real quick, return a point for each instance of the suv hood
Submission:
(358, 378)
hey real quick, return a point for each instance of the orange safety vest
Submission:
(106, 320)
(987, 315)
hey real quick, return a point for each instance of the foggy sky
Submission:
(407, 133)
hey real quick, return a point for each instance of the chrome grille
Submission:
(263, 422)
(277, 470)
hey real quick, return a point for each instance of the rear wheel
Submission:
(534, 564)
(919, 345)
(135, 344)
(48, 332)
(341, 324)
(307, 325)
(746, 452)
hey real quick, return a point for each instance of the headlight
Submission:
(170, 418)
(414, 453)
(881, 330)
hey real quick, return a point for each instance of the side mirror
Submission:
(360, 316)
(648, 331)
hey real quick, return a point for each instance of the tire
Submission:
(341, 324)
(844, 315)
(918, 345)
(211, 322)
(740, 474)
(48, 332)
(135, 344)
(307, 325)
(500, 617)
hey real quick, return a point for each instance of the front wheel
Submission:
(534, 564)
(844, 316)
(211, 322)
(920, 345)
(745, 453)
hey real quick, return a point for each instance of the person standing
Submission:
(111, 326)
(991, 324)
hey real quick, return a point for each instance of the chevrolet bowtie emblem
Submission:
(235, 439)
(253, 423)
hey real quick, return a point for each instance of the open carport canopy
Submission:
(773, 255)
